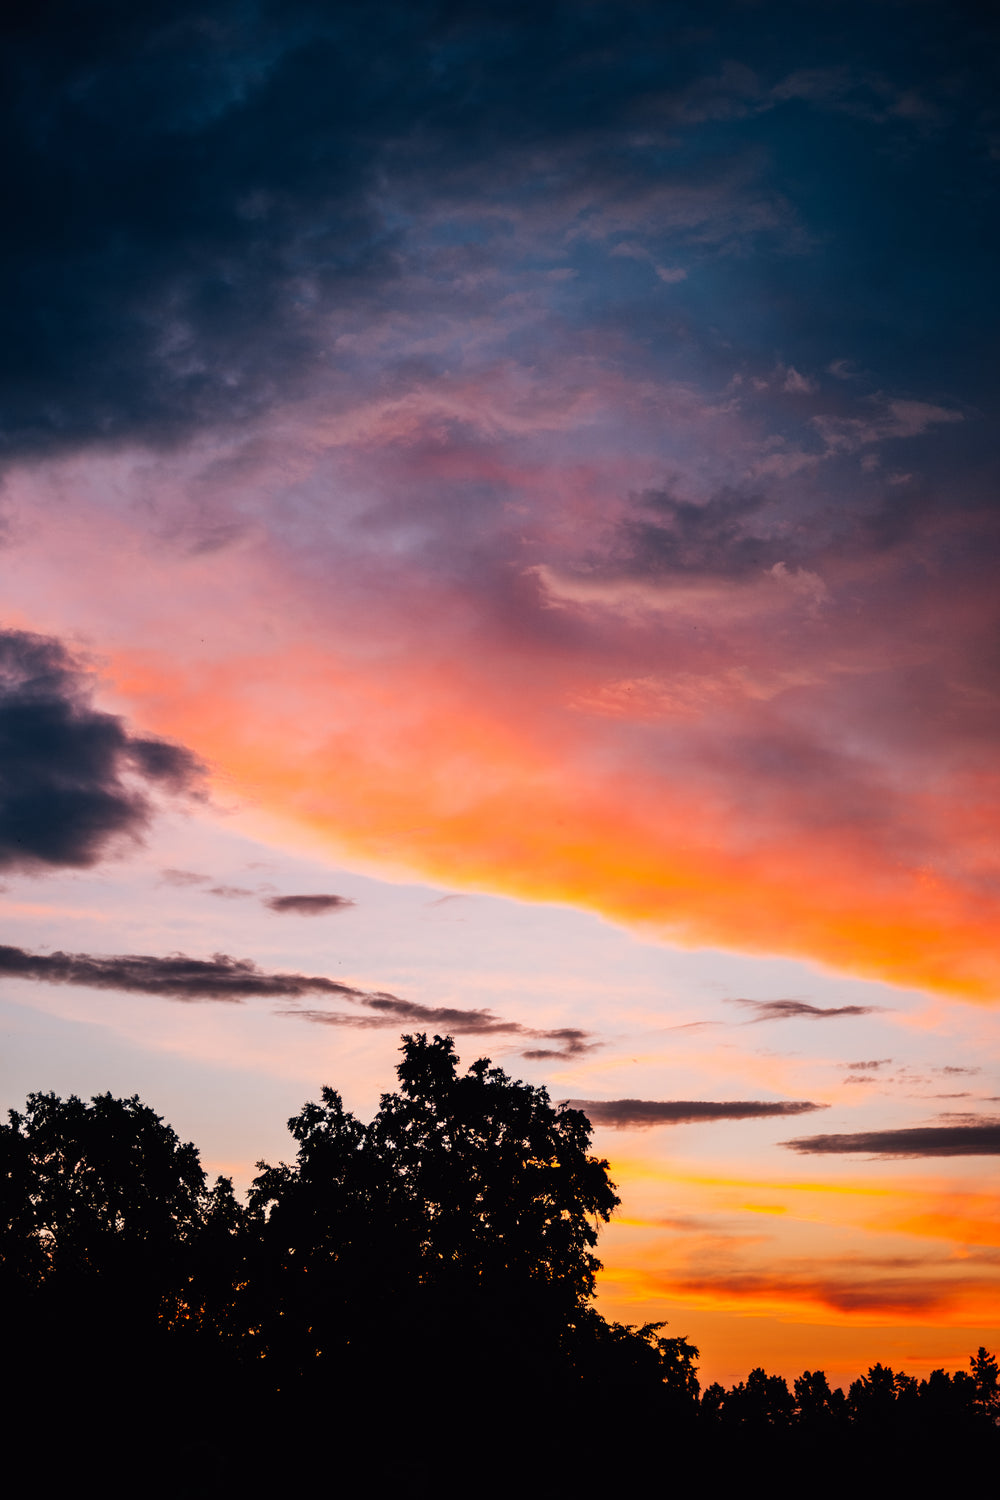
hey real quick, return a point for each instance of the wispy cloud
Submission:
(174, 976)
(308, 906)
(792, 1010)
(221, 978)
(974, 1136)
(631, 1114)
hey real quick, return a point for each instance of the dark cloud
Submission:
(789, 1010)
(724, 536)
(182, 877)
(868, 1067)
(167, 271)
(630, 1114)
(230, 892)
(74, 783)
(194, 188)
(177, 977)
(975, 1136)
(308, 906)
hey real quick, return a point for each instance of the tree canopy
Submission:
(439, 1259)
(469, 1203)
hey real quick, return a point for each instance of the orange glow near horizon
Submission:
(852, 1263)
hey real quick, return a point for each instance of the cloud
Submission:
(790, 1010)
(572, 1042)
(175, 976)
(309, 906)
(977, 1136)
(631, 1114)
(306, 906)
(211, 256)
(391, 1011)
(74, 782)
(868, 1067)
(889, 419)
(221, 978)
(870, 1293)
(724, 536)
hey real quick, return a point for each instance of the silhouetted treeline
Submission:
(408, 1305)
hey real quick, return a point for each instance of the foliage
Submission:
(98, 1190)
(469, 1204)
(452, 1238)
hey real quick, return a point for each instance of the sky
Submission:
(499, 538)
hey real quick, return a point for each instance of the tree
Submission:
(816, 1406)
(441, 1260)
(466, 1213)
(501, 1183)
(103, 1192)
(986, 1374)
(106, 1226)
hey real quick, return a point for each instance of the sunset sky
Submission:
(523, 478)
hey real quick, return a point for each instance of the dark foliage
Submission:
(439, 1261)
(434, 1268)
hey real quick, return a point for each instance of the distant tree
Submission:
(871, 1399)
(986, 1377)
(817, 1407)
(760, 1403)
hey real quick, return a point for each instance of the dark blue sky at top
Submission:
(192, 189)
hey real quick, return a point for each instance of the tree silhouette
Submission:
(436, 1265)
(985, 1374)
(93, 1189)
(105, 1221)
(465, 1214)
